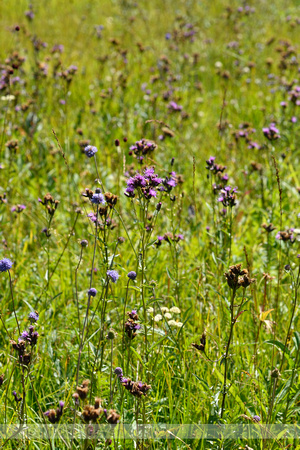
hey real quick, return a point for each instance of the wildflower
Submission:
(118, 371)
(17, 398)
(201, 346)
(136, 388)
(268, 227)
(271, 132)
(150, 310)
(285, 236)
(33, 316)
(113, 275)
(179, 324)
(131, 275)
(84, 243)
(18, 208)
(172, 323)
(55, 415)
(157, 318)
(168, 315)
(131, 326)
(82, 390)
(98, 198)
(5, 264)
(175, 310)
(256, 418)
(237, 277)
(228, 197)
(92, 292)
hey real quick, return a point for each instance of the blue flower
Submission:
(92, 292)
(33, 316)
(131, 275)
(5, 264)
(113, 275)
(90, 151)
(98, 199)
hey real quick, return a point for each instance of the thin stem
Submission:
(232, 322)
(12, 297)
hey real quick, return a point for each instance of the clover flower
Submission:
(5, 264)
(113, 275)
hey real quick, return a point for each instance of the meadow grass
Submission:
(200, 80)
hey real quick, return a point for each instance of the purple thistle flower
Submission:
(256, 418)
(90, 151)
(113, 275)
(5, 264)
(271, 132)
(92, 292)
(132, 275)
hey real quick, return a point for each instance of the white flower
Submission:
(164, 309)
(157, 318)
(168, 316)
(150, 310)
(179, 324)
(172, 323)
(175, 310)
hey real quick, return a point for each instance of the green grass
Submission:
(105, 100)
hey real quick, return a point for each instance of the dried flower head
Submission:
(237, 277)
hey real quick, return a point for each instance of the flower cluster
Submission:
(131, 326)
(136, 388)
(18, 208)
(168, 237)
(33, 316)
(213, 167)
(54, 415)
(142, 148)
(286, 236)
(50, 204)
(271, 132)
(5, 264)
(145, 184)
(26, 340)
(237, 277)
(228, 197)
(167, 315)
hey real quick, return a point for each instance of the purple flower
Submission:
(98, 199)
(90, 151)
(18, 208)
(271, 132)
(33, 316)
(228, 197)
(92, 292)
(132, 275)
(18, 399)
(5, 265)
(168, 36)
(113, 275)
(119, 371)
(256, 418)
(173, 106)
